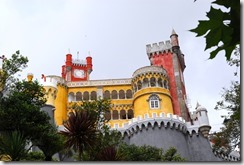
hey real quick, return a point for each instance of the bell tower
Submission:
(76, 69)
(169, 56)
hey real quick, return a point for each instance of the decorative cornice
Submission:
(100, 82)
(149, 69)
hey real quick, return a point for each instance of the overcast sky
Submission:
(115, 32)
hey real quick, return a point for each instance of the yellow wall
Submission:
(138, 103)
(51, 93)
(141, 105)
(60, 113)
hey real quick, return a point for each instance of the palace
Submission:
(148, 108)
(152, 90)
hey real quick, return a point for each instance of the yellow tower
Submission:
(151, 92)
(56, 95)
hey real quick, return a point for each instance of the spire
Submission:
(173, 32)
(174, 38)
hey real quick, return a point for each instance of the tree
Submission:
(148, 153)
(222, 30)
(86, 129)
(10, 67)
(13, 144)
(50, 143)
(80, 130)
(106, 146)
(232, 103)
(34, 156)
(20, 110)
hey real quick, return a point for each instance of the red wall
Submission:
(165, 60)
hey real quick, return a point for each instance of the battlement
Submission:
(78, 62)
(52, 81)
(158, 47)
(166, 120)
(229, 157)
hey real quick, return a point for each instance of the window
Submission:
(154, 102)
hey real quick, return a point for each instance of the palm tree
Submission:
(109, 153)
(80, 130)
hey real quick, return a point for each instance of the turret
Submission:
(89, 64)
(169, 56)
(68, 60)
(174, 39)
(202, 116)
(76, 69)
(56, 94)
(29, 77)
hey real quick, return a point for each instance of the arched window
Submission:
(165, 84)
(86, 96)
(128, 94)
(152, 82)
(106, 95)
(121, 94)
(130, 114)
(154, 102)
(160, 82)
(145, 83)
(115, 115)
(107, 115)
(139, 85)
(78, 96)
(114, 94)
(93, 95)
(135, 88)
(122, 114)
(71, 97)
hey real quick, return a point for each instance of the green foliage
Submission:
(20, 110)
(107, 142)
(34, 156)
(231, 101)
(171, 155)
(143, 153)
(11, 66)
(13, 144)
(87, 132)
(222, 30)
(80, 130)
(148, 153)
(50, 142)
(109, 153)
(98, 107)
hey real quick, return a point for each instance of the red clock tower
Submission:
(76, 69)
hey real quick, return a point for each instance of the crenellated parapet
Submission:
(52, 81)
(158, 47)
(78, 62)
(161, 120)
(229, 157)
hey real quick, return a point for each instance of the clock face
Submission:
(79, 73)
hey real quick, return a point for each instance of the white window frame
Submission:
(154, 102)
